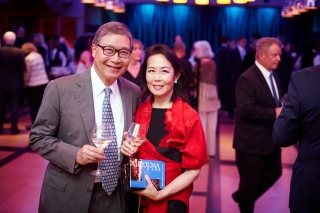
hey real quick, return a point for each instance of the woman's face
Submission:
(160, 77)
(136, 52)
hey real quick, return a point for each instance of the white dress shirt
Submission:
(242, 52)
(266, 74)
(115, 101)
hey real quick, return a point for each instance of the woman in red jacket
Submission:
(175, 134)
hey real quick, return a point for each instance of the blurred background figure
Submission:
(309, 55)
(133, 73)
(11, 69)
(285, 66)
(178, 38)
(42, 47)
(192, 59)
(250, 57)
(206, 76)
(35, 78)
(20, 39)
(221, 60)
(235, 62)
(179, 48)
(58, 60)
(82, 54)
(291, 49)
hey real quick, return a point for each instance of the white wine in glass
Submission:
(137, 134)
(101, 137)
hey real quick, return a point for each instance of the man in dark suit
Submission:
(300, 121)
(224, 80)
(234, 64)
(258, 93)
(62, 130)
(12, 65)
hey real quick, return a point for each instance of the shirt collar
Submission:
(263, 70)
(99, 87)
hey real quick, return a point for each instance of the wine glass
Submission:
(101, 137)
(137, 134)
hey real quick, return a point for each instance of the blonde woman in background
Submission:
(35, 78)
(133, 73)
(206, 78)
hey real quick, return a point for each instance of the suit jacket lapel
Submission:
(84, 97)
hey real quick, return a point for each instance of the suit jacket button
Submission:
(88, 191)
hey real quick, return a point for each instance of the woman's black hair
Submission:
(179, 88)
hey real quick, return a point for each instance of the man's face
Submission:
(110, 68)
(270, 58)
(242, 42)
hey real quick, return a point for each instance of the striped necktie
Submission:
(275, 98)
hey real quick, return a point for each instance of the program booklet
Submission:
(154, 169)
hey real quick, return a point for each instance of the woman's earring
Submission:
(175, 81)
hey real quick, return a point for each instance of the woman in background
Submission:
(175, 134)
(133, 73)
(82, 55)
(206, 77)
(35, 78)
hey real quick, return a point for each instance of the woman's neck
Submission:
(163, 104)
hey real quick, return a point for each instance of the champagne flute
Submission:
(137, 134)
(101, 137)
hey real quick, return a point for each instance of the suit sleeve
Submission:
(247, 98)
(43, 135)
(286, 128)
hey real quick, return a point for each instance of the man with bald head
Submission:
(11, 69)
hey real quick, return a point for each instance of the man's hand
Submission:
(89, 154)
(278, 110)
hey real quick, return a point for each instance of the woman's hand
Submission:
(150, 192)
(127, 149)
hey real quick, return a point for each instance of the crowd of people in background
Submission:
(229, 61)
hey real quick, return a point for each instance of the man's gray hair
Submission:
(112, 28)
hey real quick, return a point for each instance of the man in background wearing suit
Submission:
(224, 80)
(258, 93)
(63, 127)
(300, 121)
(234, 64)
(12, 66)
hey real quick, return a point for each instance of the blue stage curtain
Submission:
(159, 23)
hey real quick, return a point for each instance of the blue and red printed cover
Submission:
(154, 169)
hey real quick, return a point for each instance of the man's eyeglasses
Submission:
(110, 51)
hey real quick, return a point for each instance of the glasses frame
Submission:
(116, 50)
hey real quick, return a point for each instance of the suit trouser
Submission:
(209, 123)
(101, 202)
(13, 97)
(257, 175)
(34, 98)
